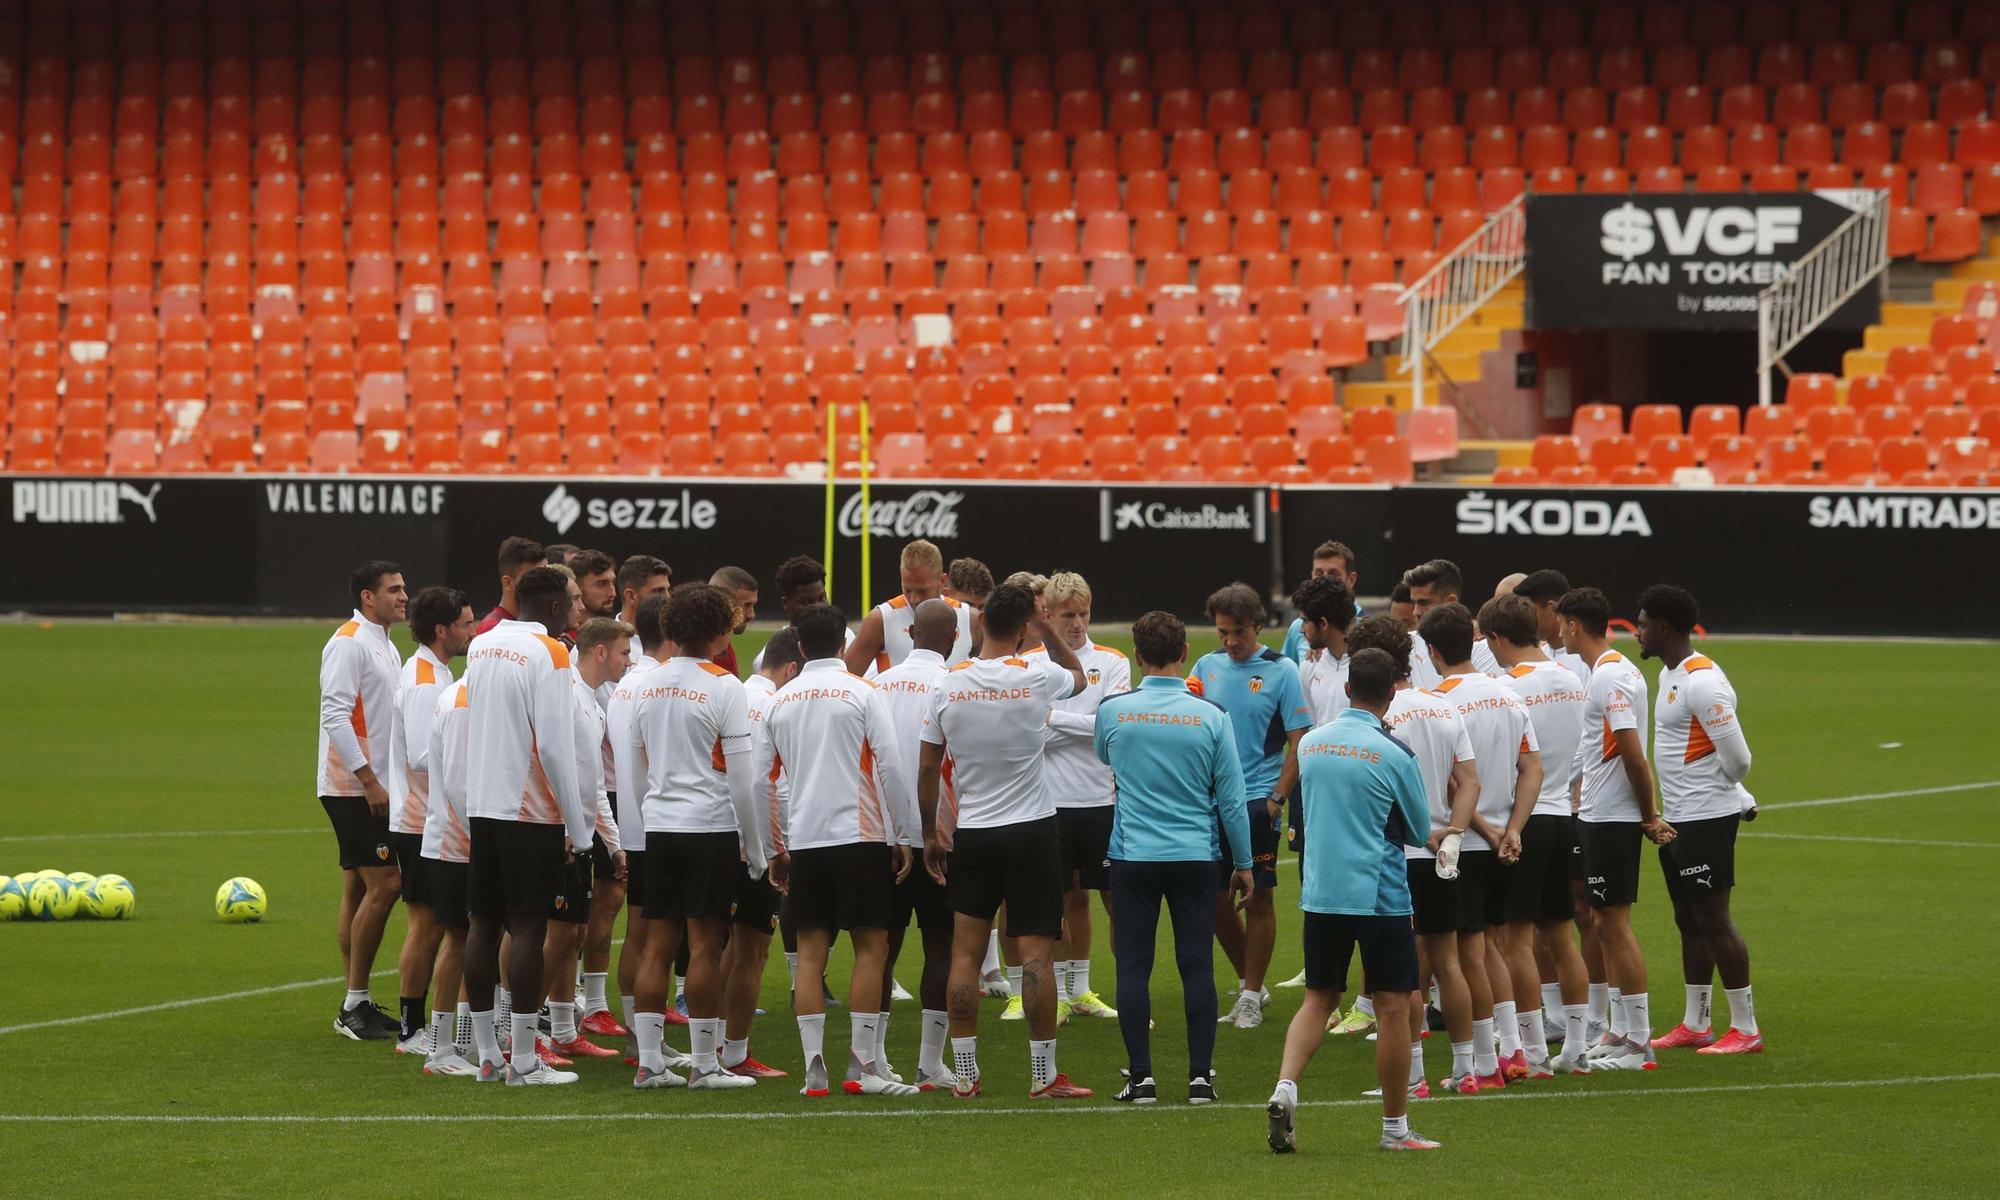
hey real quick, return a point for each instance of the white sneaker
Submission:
(647, 1080)
(871, 1084)
(1298, 980)
(718, 1080)
(995, 983)
(1248, 1013)
(675, 1059)
(541, 1075)
(450, 1064)
(898, 992)
(1627, 1057)
(883, 1070)
(1606, 1045)
(943, 1081)
(1570, 1064)
(491, 1072)
(1552, 1028)
(1593, 1033)
(417, 1043)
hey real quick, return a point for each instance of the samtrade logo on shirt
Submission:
(1123, 516)
(80, 502)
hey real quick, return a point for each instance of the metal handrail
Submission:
(1442, 298)
(1814, 288)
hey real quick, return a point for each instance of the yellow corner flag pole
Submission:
(867, 550)
(832, 468)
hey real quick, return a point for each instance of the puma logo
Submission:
(127, 492)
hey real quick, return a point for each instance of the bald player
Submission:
(906, 688)
(884, 637)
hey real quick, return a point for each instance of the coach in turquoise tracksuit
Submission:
(1364, 802)
(1174, 757)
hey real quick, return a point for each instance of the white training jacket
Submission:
(521, 734)
(423, 677)
(832, 736)
(446, 837)
(691, 728)
(358, 669)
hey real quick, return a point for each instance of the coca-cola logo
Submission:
(927, 513)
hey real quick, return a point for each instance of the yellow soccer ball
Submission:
(110, 899)
(13, 900)
(53, 900)
(240, 901)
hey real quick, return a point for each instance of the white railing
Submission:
(1829, 275)
(1441, 299)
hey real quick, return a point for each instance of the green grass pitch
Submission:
(180, 756)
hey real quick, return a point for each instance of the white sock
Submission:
(1696, 1015)
(440, 1033)
(680, 987)
(1638, 1020)
(1063, 993)
(1042, 1062)
(1416, 1062)
(861, 1042)
(562, 1021)
(1600, 1003)
(992, 960)
(930, 1050)
(1552, 997)
(1576, 1019)
(1396, 1127)
(628, 1005)
(1079, 977)
(1616, 1013)
(881, 1050)
(1484, 1059)
(1365, 1005)
(651, 1031)
(965, 1057)
(523, 1058)
(462, 1036)
(812, 1037)
(503, 1010)
(1287, 1092)
(355, 999)
(1461, 1058)
(1014, 980)
(702, 1032)
(1742, 1013)
(593, 993)
(484, 1038)
(792, 967)
(734, 1051)
(1507, 1024)
(1533, 1036)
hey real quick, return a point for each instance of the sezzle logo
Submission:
(561, 509)
(668, 513)
(77, 502)
(926, 513)
(1479, 513)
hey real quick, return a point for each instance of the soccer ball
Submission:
(13, 900)
(114, 879)
(110, 899)
(50, 873)
(240, 900)
(53, 900)
(81, 880)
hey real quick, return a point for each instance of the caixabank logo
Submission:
(1118, 515)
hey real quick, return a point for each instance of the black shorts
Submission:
(363, 837)
(1482, 890)
(1575, 850)
(1388, 951)
(843, 887)
(920, 896)
(756, 905)
(1611, 861)
(1264, 837)
(1701, 860)
(447, 889)
(691, 875)
(1437, 904)
(1084, 836)
(1538, 884)
(635, 876)
(409, 851)
(572, 901)
(1018, 865)
(601, 867)
(516, 868)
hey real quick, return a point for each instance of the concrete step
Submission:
(1987, 269)
(1882, 337)
(1499, 313)
(1949, 294)
(1916, 316)
(1862, 362)
(1471, 339)
(1459, 367)
(1366, 395)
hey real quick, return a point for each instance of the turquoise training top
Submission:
(1364, 801)
(1265, 701)
(1174, 757)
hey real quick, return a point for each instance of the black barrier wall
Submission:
(1773, 560)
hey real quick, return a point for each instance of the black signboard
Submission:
(1675, 261)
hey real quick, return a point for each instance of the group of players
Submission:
(947, 760)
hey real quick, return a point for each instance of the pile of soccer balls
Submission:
(55, 896)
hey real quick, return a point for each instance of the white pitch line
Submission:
(1878, 841)
(190, 1002)
(1925, 791)
(176, 833)
(961, 1110)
